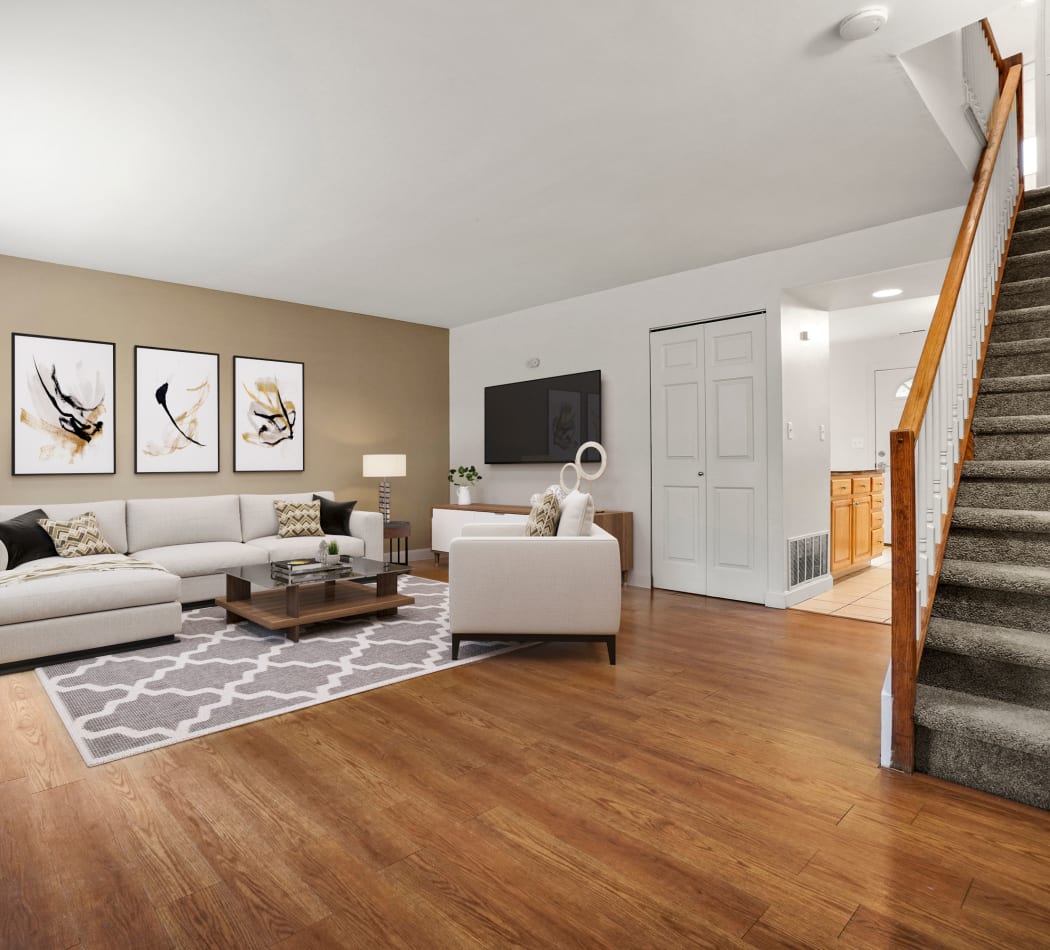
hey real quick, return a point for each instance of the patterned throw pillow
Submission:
(298, 519)
(79, 537)
(543, 519)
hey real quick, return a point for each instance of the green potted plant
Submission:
(463, 478)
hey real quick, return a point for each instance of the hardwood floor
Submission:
(718, 787)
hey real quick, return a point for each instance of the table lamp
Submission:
(384, 467)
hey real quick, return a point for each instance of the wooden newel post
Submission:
(903, 656)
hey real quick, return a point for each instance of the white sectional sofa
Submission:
(191, 540)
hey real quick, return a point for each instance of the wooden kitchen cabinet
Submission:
(841, 534)
(856, 520)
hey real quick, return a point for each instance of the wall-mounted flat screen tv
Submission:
(543, 420)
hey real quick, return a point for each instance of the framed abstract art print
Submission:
(176, 410)
(62, 399)
(268, 415)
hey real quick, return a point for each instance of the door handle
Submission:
(700, 474)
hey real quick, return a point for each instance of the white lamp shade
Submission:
(384, 466)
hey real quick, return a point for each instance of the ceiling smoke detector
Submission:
(864, 23)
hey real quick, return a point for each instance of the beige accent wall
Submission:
(372, 385)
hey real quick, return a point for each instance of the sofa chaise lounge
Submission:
(169, 551)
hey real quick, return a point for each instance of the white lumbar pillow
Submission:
(577, 515)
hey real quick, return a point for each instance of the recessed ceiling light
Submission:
(888, 292)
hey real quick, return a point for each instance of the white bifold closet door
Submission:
(709, 472)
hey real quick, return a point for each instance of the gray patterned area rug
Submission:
(221, 675)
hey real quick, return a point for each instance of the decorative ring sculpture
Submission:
(600, 449)
(561, 477)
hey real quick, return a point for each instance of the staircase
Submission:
(982, 710)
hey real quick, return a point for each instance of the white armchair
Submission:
(505, 586)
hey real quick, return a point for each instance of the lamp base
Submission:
(384, 499)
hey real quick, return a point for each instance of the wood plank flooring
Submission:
(717, 788)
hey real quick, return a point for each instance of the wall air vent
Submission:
(807, 558)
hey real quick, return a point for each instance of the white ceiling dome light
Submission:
(863, 23)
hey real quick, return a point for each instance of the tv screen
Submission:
(543, 420)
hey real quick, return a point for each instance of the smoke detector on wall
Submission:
(863, 23)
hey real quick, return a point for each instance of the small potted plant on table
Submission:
(463, 478)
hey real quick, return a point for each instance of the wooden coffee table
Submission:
(276, 603)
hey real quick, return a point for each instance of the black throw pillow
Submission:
(335, 515)
(25, 540)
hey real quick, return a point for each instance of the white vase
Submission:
(462, 494)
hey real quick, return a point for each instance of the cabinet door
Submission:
(876, 542)
(841, 528)
(861, 528)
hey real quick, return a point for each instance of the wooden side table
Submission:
(396, 531)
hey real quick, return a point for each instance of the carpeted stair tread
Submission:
(1019, 347)
(1031, 403)
(1011, 578)
(1004, 332)
(1030, 218)
(1021, 728)
(1034, 239)
(1001, 519)
(1038, 382)
(1011, 424)
(1021, 314)
(1026, 265)
(1031, 292)
(1004, 644)
(1008, 469)
(1036, 197)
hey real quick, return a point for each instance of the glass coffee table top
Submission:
(359, 569)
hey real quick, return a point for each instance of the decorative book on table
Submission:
(297, 565)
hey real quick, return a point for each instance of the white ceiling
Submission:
(918, 280)
(446, 162)
(876, 321)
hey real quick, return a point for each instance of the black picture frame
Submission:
(63, 422)
(269, 415)
(165, 443)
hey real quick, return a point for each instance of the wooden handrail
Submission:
(929, 360)
(907, 640)
(1007, 64)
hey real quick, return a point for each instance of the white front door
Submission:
(891, 392)
(708, 404)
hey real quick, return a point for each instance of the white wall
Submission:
(853, 366)
(610, 331)
(807, 407)
(936, 69)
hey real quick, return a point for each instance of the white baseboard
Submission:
(887, 721)
(788, 598)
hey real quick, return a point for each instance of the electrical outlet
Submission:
(791, 430)
(823, 432)
(857, 442)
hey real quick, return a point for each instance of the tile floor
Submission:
(861, 596)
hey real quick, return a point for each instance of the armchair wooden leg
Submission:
(610, 644)
(455, 647)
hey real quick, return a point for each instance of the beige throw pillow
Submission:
(543, 519)
(577, 515)
(298, 519)
(79, 537)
